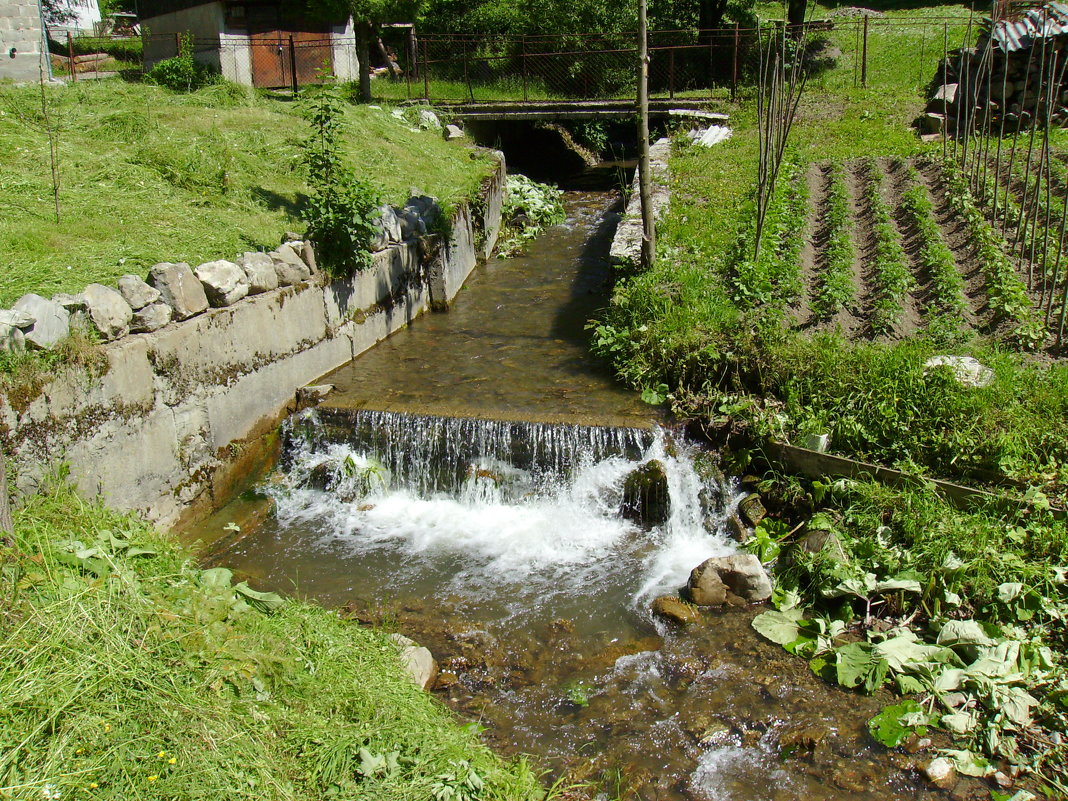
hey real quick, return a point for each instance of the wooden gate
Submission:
(274, 50)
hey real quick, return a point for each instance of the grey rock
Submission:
(967, 371)
(16, 319)
(426, 207)
(307, 252)
(72, 303)
(179, 289)
(429, 120)
(260, 272)
(51, 321)
(416, 660)
(932, 123)
(742, 573)
(944, 98)
(151, 318)
(389, 228)
(12, 340)
(706, 588)
(224, 282)
(411, 223)
(289, 266)
(453, 132)
(136, 292)
(108, 311)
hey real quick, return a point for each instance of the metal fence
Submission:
(845, 52)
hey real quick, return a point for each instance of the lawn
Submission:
(148, 175)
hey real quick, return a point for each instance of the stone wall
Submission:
(21, 40)
(159, 430)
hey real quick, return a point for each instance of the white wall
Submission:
(346, 64)
(204, 22)
(21, 40)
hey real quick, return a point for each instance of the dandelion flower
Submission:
(93, 785)
(107, 727)
(153, 778)
(172, 761)
(161, 754)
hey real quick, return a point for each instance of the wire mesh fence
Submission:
(845, 53)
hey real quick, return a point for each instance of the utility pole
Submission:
(644, 176)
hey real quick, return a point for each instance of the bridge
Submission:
(556, 110)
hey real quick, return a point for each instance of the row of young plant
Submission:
(835, 289)
(891, 276)
(946, 316)
(770, 276)
(1006, 292)
(963, 613)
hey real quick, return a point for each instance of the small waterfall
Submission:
(500, 510)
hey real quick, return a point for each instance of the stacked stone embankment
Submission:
(198, 358)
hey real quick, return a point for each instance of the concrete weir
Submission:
(158, 429)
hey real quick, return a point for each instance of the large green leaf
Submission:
(895, 723)
(963, 632)
(264, 601)
(782, 628)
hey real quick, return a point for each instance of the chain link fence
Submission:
(844, 53)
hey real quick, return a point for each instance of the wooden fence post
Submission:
(293, 64)
(426, 75)
(525, 79)
(864, 58)
(671, 73)
(70, 55)
(734, 65)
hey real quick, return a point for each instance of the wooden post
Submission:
(70, 54)
(426, 75)
(177, 44)
(293, 64)
(644, 177)
(734, 65)
(523, 42)
(5, 503)
(864, 58)
(467, 75)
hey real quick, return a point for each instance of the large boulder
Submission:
(706, 588)
(72, 303)
(645, 494)
(51, 321)
(289, 266)
(417, 661)
(741, 573)
(151, 318)
(17, 319)
(260, 272)
(411, 223)
(136, 292)
(453, 132)
(224, 282)
(179, 289)
(108, 311)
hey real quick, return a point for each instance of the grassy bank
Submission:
(962, 611)
(149, 175)
(126, 672)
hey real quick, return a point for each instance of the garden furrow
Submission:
(864, 240)
(814, 241)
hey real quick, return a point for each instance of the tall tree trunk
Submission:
(5, 504)
(795, 14)
(363, 53)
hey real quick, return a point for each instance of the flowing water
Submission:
(504, 547)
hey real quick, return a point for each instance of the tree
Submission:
(366, 14)
(57, 12)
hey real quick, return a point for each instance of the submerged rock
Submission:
(677, 611)
(940, 773)
(645, 494)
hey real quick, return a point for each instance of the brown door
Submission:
(275, 43)
(270, 48)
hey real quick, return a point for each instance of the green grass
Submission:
(147, 175)
(129, 676)
(681, 323)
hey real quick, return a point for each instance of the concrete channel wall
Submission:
(160, 429)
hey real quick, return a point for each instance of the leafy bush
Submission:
(529, 208)
(342, 208)
(183, 73)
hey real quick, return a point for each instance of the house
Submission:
(255, 42)
(22, 40)
(83, 17)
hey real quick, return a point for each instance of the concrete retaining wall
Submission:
(155, 432)
(21, 40)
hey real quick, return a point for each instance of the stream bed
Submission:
(414, 500)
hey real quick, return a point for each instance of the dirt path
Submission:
(895, 184)
(815, 238)
(864, 249)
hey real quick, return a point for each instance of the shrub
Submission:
(183, 73)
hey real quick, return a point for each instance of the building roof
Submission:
(1036, 23)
